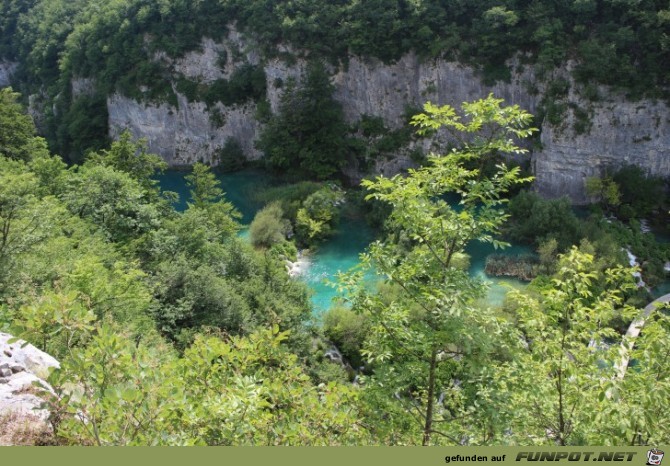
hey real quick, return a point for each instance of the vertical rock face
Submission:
(6, 71)
(189, 133)
(621, 132)
(184, 135)
(371, 87)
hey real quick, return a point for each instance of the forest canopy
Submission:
(615, 42)
(125, 45)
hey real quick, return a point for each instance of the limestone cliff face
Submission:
(622, 132)
(373, 88)
(370, 87)
(185, 134)
(188, 132)
(6, 71)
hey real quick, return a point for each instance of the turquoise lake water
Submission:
(341, 251)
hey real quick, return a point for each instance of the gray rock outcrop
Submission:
(6, 71)
(23, 370)
(622, 133)
(187, 134)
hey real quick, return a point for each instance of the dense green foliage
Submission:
(269, 226)
(310, 210)
(231, 156)
(172, 330)
(617, 42)
(576, 394)
(98, 269)
(535, 219)
(630, 193)
(245, 391)
(18, 128)
(308, 135)
(543, 222)
(425, 337)
(641, 195)
(122, 45)
(319, 215)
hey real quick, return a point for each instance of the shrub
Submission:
(231, 156)
(535, 219)
(269, 227)
(347, 330)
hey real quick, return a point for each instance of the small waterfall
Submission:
(299, 267)
(334, 355)
(644, 226)
(632, 260)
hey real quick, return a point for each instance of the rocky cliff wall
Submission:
(6, 71)
(185, 134)
(621, 132)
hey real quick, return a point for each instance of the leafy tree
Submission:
(205, 188)
(547, 252)
(267, 396)
(308, 133)
(17, 130)
(57, 322)
(244, 391)
(79, 127)
(347, 330)
(113, 200)
(318, 215)
(108, 393)
(641, 195)
(605, 190)
(25, 219)
(194, 234)
(534, 219)
(291, 196)
(269, 226)
(192, 297)
(431, 333)
(208, 196)
(132, 158)
(565, 339)
(638, 414)
(231, 156)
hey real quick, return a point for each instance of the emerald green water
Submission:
(339, 254)
(341, 251)
(239, 188)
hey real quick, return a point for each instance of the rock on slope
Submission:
(22, 366)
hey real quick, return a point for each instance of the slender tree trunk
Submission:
(428, 427)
